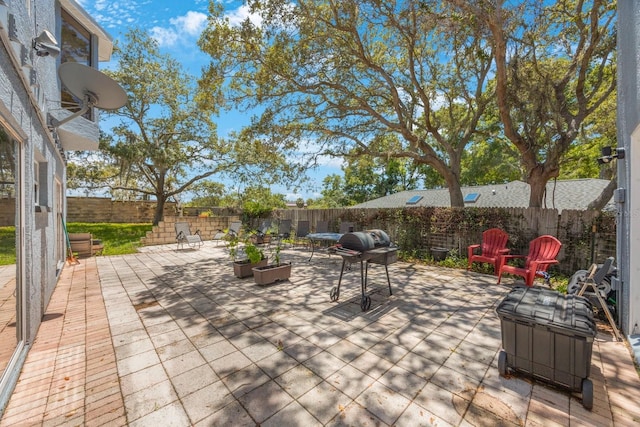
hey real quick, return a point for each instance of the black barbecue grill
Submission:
(365, 247)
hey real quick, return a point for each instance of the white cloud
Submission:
(112, 14)
(181, 29)
(193, 23)
(237, 16)
(164, 36)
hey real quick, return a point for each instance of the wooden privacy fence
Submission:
(585, 235)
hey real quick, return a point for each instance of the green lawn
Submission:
(7, 245)
(118, 239)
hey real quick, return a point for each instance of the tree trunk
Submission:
(159, 213)
(538, 185)
(604, 197)
(455, 193)
(537, 179)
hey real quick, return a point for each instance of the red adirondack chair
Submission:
(542, 253)
(494, 245)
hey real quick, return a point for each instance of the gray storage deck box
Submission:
(550, 336)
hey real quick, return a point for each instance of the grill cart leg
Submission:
(365, 301)
(313, 245)
(335, 291)
(366, 274)
(388, 280)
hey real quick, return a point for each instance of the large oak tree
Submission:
(163, 141)
(340, 77)
(554, 68)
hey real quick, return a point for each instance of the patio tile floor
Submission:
(167, 337)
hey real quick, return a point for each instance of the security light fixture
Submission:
(607, 155)
(46, 45)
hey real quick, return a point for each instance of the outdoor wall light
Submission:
(46, 45)
(607, 155)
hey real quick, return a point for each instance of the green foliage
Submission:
(333, 193)
(598, 131)
(453, 260)
(233, 247)
(7, 245)
(490, 161)
(367, 177)
(259, 202)
(560, 284)
(276, 254)
(254, 254)
(206, 193)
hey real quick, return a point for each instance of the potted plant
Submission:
(439, 254)
(264, 275)
(255, 258)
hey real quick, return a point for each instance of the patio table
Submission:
(321, 237)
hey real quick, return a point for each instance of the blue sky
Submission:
(176, 25)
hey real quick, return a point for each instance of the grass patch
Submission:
(118, 239)
(7, 245)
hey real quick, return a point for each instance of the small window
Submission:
(471, 197)
(36, 183)
(40, 181)
(414, 200)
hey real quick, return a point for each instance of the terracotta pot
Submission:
(244, 268)
(271, 273)
(260, 240)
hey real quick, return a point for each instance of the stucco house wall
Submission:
(628, 192)
(29, 96)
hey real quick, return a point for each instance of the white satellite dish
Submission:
(94, 88)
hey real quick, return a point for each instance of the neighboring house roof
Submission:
(570, 194)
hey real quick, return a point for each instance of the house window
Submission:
(36, 183)
(40, 183)
(75, 47)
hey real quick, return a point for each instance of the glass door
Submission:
(11, 271)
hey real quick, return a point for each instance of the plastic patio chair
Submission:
(284, 229)
(264, 228)
(493, 246)
(542, 253)
(301, 233)
(322, 227)
(183, 235)
(347, 227)
(233, 231)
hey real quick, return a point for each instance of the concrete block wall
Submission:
(99, 209)
(165, 231)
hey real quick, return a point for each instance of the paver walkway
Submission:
(166, 338)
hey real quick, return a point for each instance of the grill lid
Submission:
(363, 241)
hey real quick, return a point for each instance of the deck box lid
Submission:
(569, 314)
